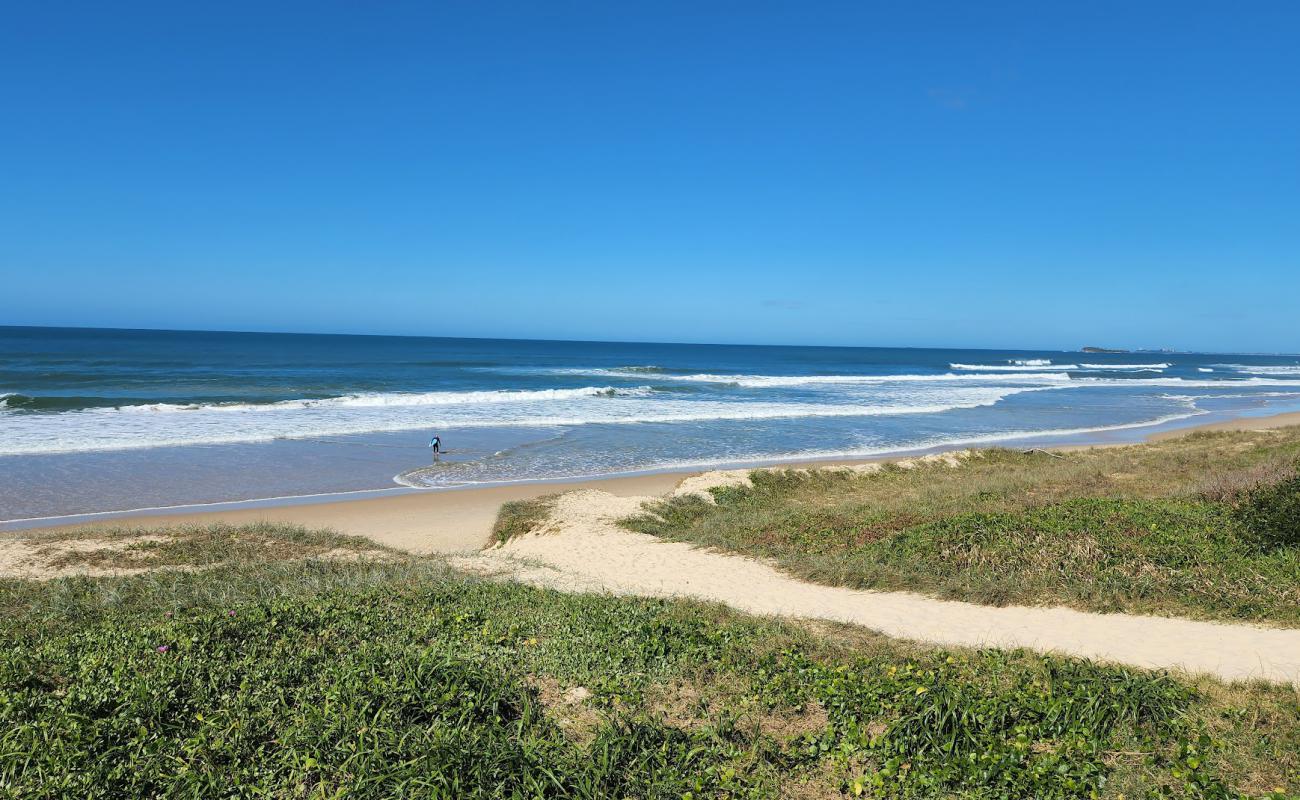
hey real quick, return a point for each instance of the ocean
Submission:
(96, 420)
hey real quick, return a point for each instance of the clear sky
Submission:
(976, 174)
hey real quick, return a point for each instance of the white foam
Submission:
(1032, 365)
(1031, 362)
(1013, 367)
(112, 429)
(787, 381)
(783, 381)
(1225, 383)
(1270, 369)
(1129, 367)
(399, 399)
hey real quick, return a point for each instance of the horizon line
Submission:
(1134, 350)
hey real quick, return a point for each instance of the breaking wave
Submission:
(1015, 366)
(402, 399)
(1032, 365)
(168, 425)
(359, 400)
(1272, 369)
(788, 381)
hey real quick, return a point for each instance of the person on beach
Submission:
(435, 444)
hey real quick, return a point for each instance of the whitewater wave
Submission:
(111, 429)
(1032, 365)
(1012, 367)
(661, 374)
(403, 399)
(787, 381)
(1193, 383)
(359, 400)
(1031, 362)
(779, 381)
(1271, 369)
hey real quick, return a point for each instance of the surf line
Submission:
(358, 444)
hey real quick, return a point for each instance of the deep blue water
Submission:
(95, 419)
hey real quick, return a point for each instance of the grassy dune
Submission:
(1203, 526)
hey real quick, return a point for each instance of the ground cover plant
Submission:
(189, 546)
(322, 678)
(1206, 525)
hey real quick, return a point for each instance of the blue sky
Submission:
(1001, 174)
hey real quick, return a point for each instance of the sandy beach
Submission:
(460, 520)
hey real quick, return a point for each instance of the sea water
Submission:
(102, 420)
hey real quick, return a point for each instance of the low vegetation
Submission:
(319, 678)
(1205, 526)
(189, 546)
(519, 517)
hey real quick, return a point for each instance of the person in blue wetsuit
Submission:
(435, 444)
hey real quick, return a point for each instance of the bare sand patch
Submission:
(38, 559)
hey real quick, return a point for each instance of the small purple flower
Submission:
(163, 648)
(230, 613)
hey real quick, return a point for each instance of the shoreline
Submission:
(460, 519)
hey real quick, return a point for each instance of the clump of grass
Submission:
(1205, 526)
(520, 517)
(1272, 513)
(380, 679)
(1265, 496)
(1234, 486)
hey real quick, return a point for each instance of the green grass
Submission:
(518, 517)
(1204, 526)
(312, 678)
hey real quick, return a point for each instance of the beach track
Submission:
(582, 548)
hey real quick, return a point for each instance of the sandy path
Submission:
(583, 549)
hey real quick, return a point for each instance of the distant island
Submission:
(1102, 350)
